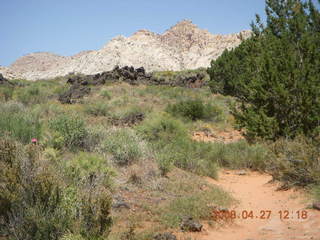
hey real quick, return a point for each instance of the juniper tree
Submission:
(275, 74)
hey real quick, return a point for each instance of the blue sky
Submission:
(66, 27)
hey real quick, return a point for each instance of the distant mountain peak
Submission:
(182, 27)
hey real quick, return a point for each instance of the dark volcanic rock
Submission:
(4, 81)
(165, 236)
(75, 93)
(190, 225)
(80, 83)
(126, 74)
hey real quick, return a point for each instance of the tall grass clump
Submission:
(188, 155)
(97, 109)
(69, 131)
(195, 110)
(6, 93)
(88, 165)
(241, 154)
(124, 146)
(196, 206)
(162, 128)
(16, 121)
(31, 94)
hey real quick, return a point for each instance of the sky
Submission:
(66, 27)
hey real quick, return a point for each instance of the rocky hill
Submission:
(183, 46)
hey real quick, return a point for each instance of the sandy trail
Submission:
(255, 193)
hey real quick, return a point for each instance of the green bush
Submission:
(70, 131)
(124, 146)
(274, 74)
(162, 127)
(18, 122)
(195, 110)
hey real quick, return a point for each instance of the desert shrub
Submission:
(95, 220)
(296, 161)
(274, 73)
(51, 154)
(31, 194)
(19, 123)
(97, 109)
(89, 165)
(96, 135)
(124, 146)
(69, 130)
(39, 202)
(195, 110)
(162, 127)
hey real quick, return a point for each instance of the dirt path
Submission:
(255, 193)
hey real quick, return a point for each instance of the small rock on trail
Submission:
(190, 225)
(316, 205)
(165, 236)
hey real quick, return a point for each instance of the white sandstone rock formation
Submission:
(183, 46)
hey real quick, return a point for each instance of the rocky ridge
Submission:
(183, 46)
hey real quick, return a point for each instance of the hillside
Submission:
(183, 46)
(144, 157)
